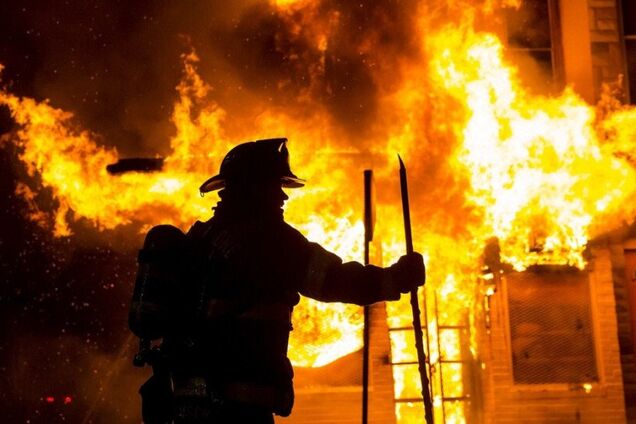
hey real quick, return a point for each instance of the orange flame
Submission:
(538, 170)
(487, 159)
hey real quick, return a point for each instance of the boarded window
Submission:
(629, 30)
(551, 327)
(533, 41)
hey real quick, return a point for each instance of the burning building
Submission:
(514, 117)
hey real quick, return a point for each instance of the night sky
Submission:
(65, 354)
(65, 349)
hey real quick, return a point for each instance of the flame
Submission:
(281, 4)
(487, 159)
(538, 169)
(69, 162)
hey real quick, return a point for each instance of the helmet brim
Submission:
(292, 182)
(213, 183)
(218, 182)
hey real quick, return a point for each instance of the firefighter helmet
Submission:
(255, 161)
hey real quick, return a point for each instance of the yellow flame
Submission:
(538, 170)
(289, 3)
(542, 174)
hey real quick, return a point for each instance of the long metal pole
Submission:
(415, 307)
(368, 236)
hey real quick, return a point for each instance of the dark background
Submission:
(65, 349)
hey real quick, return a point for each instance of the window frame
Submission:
(556, 45)
(630, 86)
(560, 387)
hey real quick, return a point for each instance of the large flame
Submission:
(71, 164)
(538, 169)
(487, 159)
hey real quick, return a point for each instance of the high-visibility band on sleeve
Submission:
(319, 263)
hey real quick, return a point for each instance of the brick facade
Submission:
(320, 398)
(506, 402)
(625, 330)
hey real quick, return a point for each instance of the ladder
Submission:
(447, 346)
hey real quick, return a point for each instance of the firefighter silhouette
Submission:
(221, 296)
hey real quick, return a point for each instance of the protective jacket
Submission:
(226, 330)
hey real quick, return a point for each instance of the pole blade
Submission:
(369, 205)
(406, 210)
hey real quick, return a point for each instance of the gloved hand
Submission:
(408, 272)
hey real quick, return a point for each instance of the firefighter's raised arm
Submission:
(330, 280)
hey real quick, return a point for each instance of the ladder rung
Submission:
(442, 361)
(410, 400)
(444, 399)
(452, 327)
(405, 328)
(440, 327)
(409, 362)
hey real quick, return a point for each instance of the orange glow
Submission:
(486, 159)
(289, 3)
(539, 172)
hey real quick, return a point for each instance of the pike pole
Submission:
(415, 307)
(369, 217)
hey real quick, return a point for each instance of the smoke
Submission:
(115, 64)
(339, 56)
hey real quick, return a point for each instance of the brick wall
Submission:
(333, 394)
(505, 402)
(625, 331)
(382, 406)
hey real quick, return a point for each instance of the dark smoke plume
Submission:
(65, 353)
